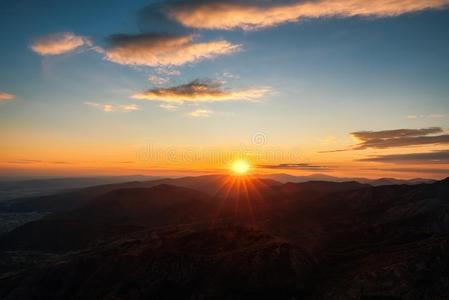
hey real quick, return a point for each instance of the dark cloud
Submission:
(399, 138)
(300, 166)
(334, 151)
(153, 18)
(396, 138)
(200, 91)
(434, 157)
(397, 133)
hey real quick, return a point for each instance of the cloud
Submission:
(399, 138)
(430, 116)
(434, 157)
(168, 72)
(158, 80)
(250, 14)
(396, 133)
(300, 166)
(200, 91)
(152, 18)
(58, 43)
(6, 96)
(201, 113)
(25, 161)
(168, 106)
(128, 107)
(396, 138)
(35, 161)
(162, 76)
(113, 107)
(158, 50)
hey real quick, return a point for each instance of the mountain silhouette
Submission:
(214, 185)
(239, 239)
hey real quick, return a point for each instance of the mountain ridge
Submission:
(314, 240)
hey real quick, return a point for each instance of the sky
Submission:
(345, 88)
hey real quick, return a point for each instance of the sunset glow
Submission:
(341, 88)
(240, 167)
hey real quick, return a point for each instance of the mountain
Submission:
(210, 184)
(220, 263)
(284, 178)
(118, 211)
(317, 189)
(156, 206)
(214, 185)
(238, 199)
(314, 240)
(13, 188)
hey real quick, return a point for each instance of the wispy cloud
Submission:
(25, 161)
(157, 80)
(168, 72)
(200, 91)
(399, 138)
(249, 14)
(396, 138)
(163, 76)
(6, 96)
(434, 157)
(35, 161)
(430, 116)
(59, 43)
(114, 107)
(300, 166)
(128, 107)
(201, 113)
(396, 133)
(168, 106)
(158, 50)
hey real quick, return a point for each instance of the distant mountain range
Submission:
(12, 188)
(213, 185)
(284, 178)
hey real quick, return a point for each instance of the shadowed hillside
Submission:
(314, 240)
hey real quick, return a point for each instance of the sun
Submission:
(240, 167)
